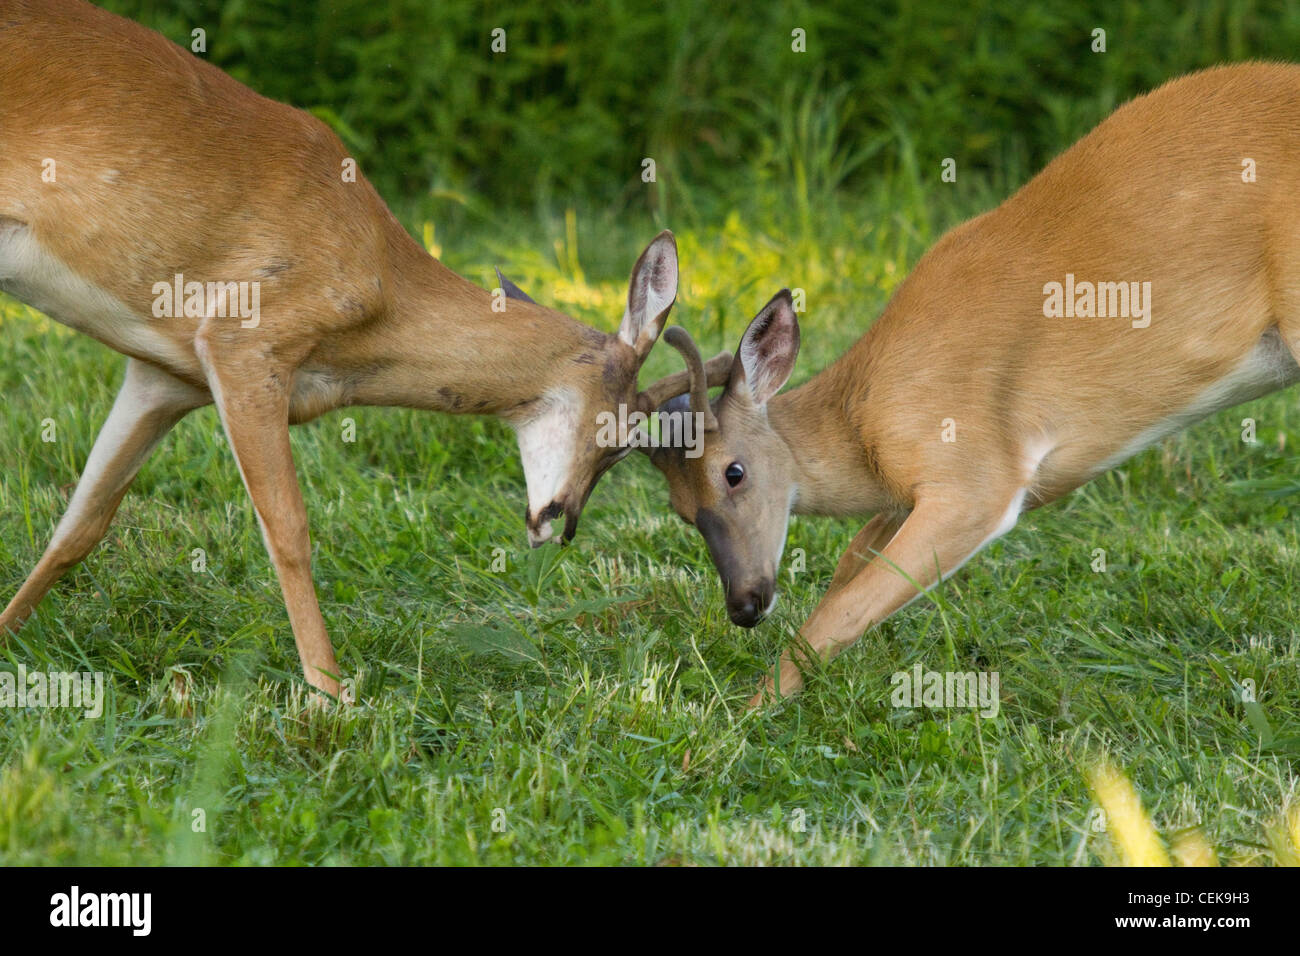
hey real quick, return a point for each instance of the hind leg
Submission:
(149, 403)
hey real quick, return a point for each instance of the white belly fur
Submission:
(1269, 367)
(30, 273)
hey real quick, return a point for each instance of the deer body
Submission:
(126, 164)
(965, 404)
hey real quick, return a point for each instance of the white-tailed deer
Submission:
(225, 244)
(1147, 277)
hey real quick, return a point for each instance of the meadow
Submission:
(585, 704)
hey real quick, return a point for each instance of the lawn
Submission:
(586, 704)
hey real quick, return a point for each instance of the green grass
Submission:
(521, 697)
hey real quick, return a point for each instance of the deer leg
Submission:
(937, 538)
(149, 403)
(255, 414)
(865, 546)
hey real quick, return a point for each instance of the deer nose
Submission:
(748, 608)
(539, 525)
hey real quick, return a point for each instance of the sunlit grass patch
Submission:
(585, 704)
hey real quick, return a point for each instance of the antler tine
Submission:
(712, 373)
(681, 340)
(716, 371)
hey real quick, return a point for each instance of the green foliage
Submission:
(712, 91)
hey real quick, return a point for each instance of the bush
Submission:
(584, 92)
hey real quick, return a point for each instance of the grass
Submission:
(585, 705)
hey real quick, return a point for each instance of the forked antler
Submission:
(697, 379)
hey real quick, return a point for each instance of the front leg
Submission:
(936, 539)
(253, 399)
(866, 544)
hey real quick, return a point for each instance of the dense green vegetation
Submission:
(712, 91)
(519, 697)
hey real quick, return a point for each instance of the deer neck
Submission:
(833, 470)
(439, 344)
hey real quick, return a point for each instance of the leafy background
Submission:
(585, 91)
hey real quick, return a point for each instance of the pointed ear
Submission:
(650, 294)
(511, 290)
(767, 352)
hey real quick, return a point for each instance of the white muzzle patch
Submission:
(547, 445)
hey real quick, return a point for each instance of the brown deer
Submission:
(217, 239)
(1146, 278)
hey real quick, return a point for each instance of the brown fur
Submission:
(1041, 404)
(166, 165)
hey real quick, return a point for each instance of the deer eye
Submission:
(735, 473)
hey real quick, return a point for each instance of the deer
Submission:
(129, 167)
(1144, 279)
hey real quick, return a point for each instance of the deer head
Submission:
(563, 439)
(738, 491)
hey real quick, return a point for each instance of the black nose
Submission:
(539, 531)
(748, 608)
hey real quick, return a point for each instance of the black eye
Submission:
(735, 473)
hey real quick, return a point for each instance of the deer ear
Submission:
(650, 294)
(511, 290)
(767, 352)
